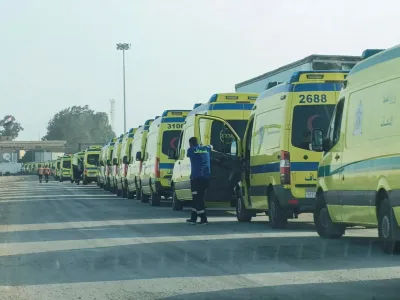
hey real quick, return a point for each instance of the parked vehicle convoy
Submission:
(358, 174)
(125, 156)
(108, 169)
(156, 173)
(136, 161)
(90, 162)
(236, 109)
(77, 167)
(115, 164)
(65, 168)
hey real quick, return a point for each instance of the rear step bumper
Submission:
(303, 205)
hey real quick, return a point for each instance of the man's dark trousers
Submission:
(198, 186)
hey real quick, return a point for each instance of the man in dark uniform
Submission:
(200, 174)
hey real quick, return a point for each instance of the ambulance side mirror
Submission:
(125, 159)
(317, 140)
(138, 156)
(115, 161)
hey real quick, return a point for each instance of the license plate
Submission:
(310, 194)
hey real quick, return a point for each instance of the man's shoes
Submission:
(190, 221)
(203, 222)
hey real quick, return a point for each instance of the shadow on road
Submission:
(192, 259)
(176, 228)
(360, 290)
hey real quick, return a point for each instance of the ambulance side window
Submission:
(336, 124)
(188, 133)
(221, 138)
(180, 142)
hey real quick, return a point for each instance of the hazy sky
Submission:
(59, 53)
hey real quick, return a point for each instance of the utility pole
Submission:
(112, 113)
(123, 47)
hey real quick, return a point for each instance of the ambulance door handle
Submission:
(279, 157)
(337, 157)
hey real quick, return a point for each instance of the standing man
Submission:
(200, 174)
(46, 172)
(40, 172)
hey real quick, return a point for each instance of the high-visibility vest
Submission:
(46, 171)
(41, 170)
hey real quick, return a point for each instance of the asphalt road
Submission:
(62, 241)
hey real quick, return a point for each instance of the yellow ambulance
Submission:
(65, 168)
(90, 164)
(122, 186)
(136, 160)
(279, 168)
(108, 166)
(236, 109)
(156, 174)
(358, 176)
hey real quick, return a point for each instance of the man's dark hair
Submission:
(193, 141)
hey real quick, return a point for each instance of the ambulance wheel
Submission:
(130, 194)
(155, 199)
(323, 222)
(84, 182)
(119, 192)
(242, 214)
(143, 197)
(124, 192)
(101, 185)
(138, 192)
(386, 223)
(97, 182)
(176, 204)
(277, 215)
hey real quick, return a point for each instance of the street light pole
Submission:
(123, 47)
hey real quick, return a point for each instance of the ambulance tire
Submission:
(242, 214)
(130, 194)
(119, 192)
(84, 182)
(155, 199)
(386, 223)
(124, 192)
(277, 215)
(176, 204)
(101, 185)
(138, 192)
(143, 197)
(323, 222)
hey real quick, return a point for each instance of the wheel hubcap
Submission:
(323, 217)
(385, 228)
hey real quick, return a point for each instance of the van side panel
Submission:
(371, 157)
(265, 148)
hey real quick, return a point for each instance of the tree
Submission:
(79, 124)
(10, 127)
(29, 156)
